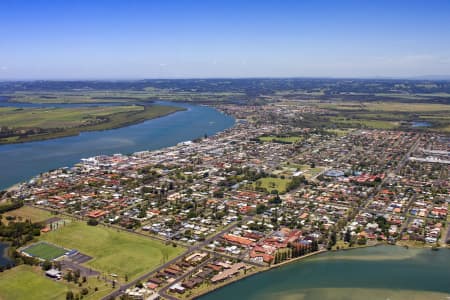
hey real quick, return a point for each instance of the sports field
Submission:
(45, 251)
(113, 251)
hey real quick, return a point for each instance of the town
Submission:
(253, 197)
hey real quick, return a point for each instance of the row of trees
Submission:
(10, 206)
(295, 250)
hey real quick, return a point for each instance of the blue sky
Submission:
(171, 39)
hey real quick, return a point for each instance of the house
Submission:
(54, 273)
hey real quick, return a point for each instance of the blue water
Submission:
(3, 259)
(385, 267)
(20, 162)
(420, 124)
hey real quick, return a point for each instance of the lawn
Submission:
(270, 184)
(24, 282)
(29, 213)
(113, 251)
(45, 251)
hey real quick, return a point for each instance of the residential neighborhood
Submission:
(259, 194)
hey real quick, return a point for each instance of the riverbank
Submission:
(289, 262)
(328, 271)
(26, 160)
(255, 272)
(37, 124)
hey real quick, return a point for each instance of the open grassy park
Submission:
(25, 282)
(270, 183)
(28, 124)
(280, 139)
(113, 251)
(29, 213)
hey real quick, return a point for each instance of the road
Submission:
(193, 248)
(163, 291)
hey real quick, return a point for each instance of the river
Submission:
(20, 162)
(384, 272)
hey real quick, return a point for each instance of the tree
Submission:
(69, 295)
(69, 276)
(46, 265)
(260, 208)
(314, 246)
(92, 222)
(347, 236)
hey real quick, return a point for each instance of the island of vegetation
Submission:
(18, 125)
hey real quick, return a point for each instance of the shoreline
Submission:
(13, 187)
(285, 263)
(262, 270)
(79, 130)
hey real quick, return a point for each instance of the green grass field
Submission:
(24, 282)
(270, 184)
(58, 117)
(387, 106)
(45, 251)
(284, 139)
(375, 124)
(29, 213)
(113, 251)
(122, 96)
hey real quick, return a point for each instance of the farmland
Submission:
(384, 115)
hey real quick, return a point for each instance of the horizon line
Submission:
(111, 79)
